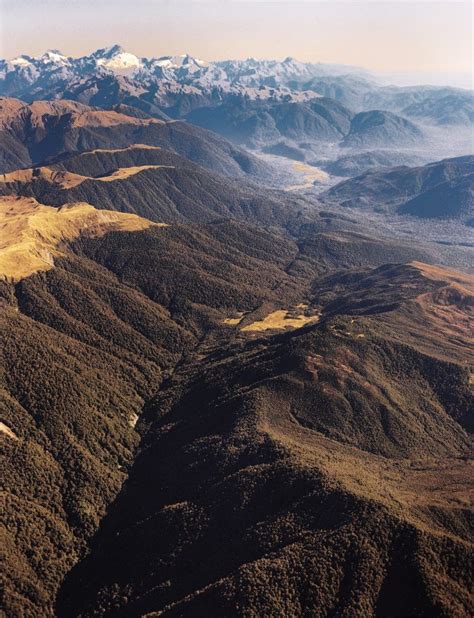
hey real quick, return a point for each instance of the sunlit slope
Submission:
(68, 180)
(32, 233)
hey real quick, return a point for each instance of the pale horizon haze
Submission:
(406, 42)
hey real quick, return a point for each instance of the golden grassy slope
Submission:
(68, 180)
(280, 319)
(5, 430)
(447, 312)
(131, 147)
(64, 179)
(31, 233)
(445, 274)
(125, 172)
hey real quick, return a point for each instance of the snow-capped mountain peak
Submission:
(176, 62)
(117, 60)
(108, 52)
(160, 81)
(21, 61)
(120, 63)
(53, 56)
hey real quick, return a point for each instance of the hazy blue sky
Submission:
(432, 39)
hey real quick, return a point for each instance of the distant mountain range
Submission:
(310, 112)
(355, 163)
(176, 85)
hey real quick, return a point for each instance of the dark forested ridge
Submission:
(81, 352)
(163, 187)
(275, 456)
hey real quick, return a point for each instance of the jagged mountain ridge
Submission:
(285, 108)
(178, 84)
